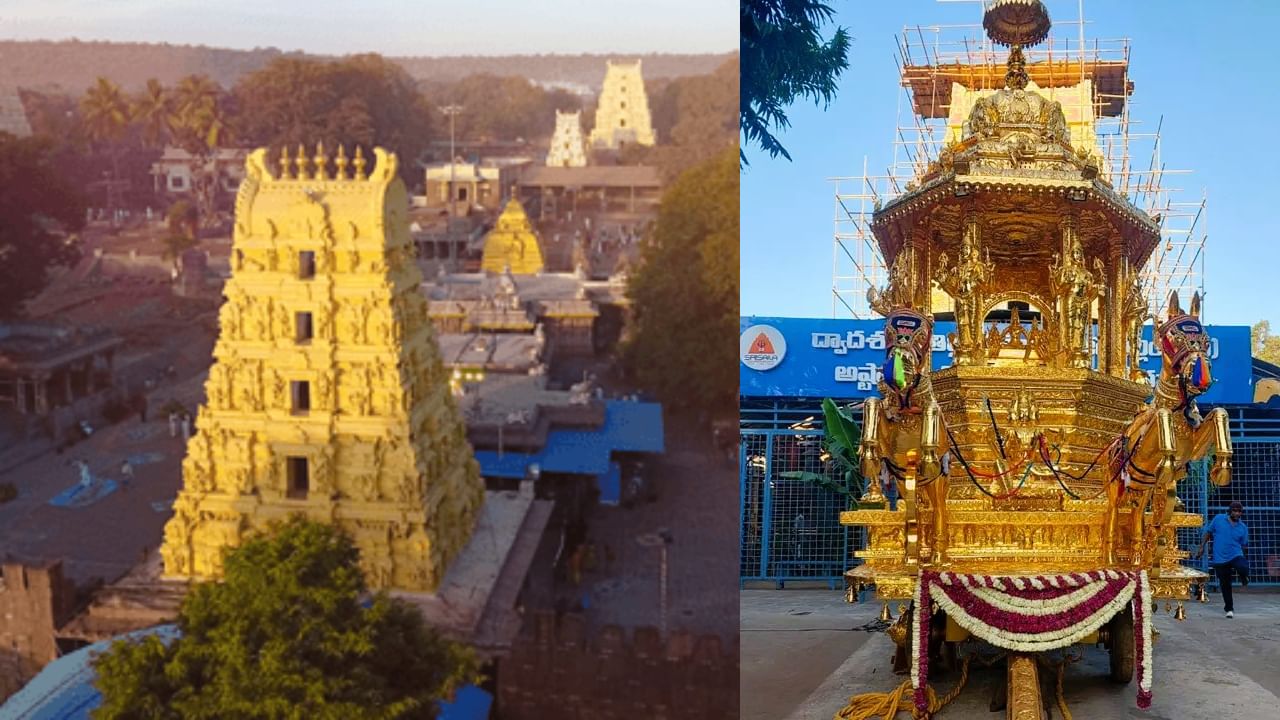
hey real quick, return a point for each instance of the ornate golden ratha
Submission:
(1038, 451)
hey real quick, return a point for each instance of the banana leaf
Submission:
(820, 480)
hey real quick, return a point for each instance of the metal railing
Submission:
(789, 528)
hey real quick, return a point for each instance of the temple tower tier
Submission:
(622, 115)
(327, 397)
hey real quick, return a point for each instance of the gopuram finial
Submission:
(359, 164)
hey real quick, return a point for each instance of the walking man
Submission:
(1230, 538)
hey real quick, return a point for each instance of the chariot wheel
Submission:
(1120, 645)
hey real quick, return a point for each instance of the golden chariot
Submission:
(1032, 485)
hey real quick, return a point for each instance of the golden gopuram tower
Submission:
(567, 147)
(622, 115)
(327, 396)
(512, 243)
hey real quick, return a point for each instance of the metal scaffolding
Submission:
(930, 59)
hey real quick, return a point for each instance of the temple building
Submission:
(622, 115)
(566, 142)
(512, 243)
(327, 396)
(45, 366)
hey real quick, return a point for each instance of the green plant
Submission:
(289, 633)
(841, 444)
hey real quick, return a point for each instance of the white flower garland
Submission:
(1038, 606)
(1144, 596)
(1033, 642)
(988, 589)
(915, 635)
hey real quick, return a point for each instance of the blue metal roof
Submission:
(628, 427)
(64, 689)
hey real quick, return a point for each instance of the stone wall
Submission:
(556, 670)
(34, 601)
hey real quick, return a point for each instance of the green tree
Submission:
(785, 58)
(106, 117)
(38, 205)
(362, 100)
(682, 340)
(286, 635)
(694, 119)
(1266, 347)
(153, 110)
(200, 124)
(504, 108)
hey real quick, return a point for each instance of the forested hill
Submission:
(73, 65)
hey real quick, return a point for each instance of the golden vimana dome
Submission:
(512, 243)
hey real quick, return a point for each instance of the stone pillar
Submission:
(91, 366)
(68, 395)
(20, 399)
(42, 394)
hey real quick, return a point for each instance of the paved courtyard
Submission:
(104, 539)
(696, 493)
(805, 652)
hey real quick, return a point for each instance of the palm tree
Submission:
(199, 126)
(153, 110)
(106, 120)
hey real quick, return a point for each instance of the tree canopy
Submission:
(1266, 347)
(503, 108)
(682, 341)
(286, 635)
(694, 119)
(358, 100)
(37, 207)
(784, 58)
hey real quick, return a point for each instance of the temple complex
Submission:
(622, 115)
(567, 147)
(326, 396)
(512, 243)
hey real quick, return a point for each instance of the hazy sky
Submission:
(1191, 64)
(390, 27)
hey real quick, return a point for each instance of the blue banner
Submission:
(821, 357)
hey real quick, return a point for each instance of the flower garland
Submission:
(1032, 614)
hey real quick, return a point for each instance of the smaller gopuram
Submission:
(327, 396)
(622, 116)
(566, 142)
(512, 243)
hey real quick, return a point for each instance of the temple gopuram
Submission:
(622, 115)
(567, 147)
(327, 396)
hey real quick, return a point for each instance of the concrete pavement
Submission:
(804, 652)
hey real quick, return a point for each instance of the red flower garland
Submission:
(1050, 628)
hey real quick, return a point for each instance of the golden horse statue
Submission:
(906, 419)
(1166, 435)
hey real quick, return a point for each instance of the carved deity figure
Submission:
(964, 283)
(900, 290)
(1133, 315)
(231, 318)
(1075, 288)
